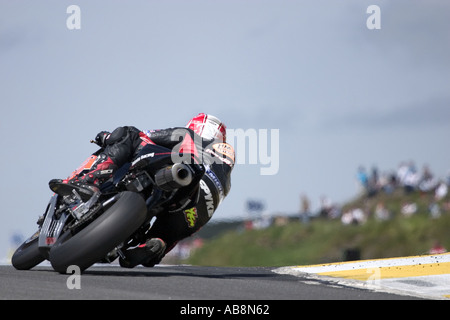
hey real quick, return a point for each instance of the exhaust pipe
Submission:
(173, 177)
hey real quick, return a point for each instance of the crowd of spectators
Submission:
(406, 176)
(421, 191)
(406, 179)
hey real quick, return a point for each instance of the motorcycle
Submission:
(83, 228)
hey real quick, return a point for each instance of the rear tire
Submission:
(27, 255)
(94, 242)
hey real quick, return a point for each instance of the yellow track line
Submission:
(391, 272)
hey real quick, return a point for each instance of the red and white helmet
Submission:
(208, 127)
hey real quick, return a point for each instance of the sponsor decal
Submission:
(225, 149)
(208, 198)
(148, 155)
(191, 216)
(212, 176)
(216, 156)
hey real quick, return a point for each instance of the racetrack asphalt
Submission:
(175, 283)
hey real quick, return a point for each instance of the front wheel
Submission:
(93, 243)
(27, 255)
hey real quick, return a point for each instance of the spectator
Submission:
(325, 206)
(305, 208)
(363, 178)
(427, 182)
(437, 248)
(402, 171)
(387, 183)
(426, 173)
(441, 191)
(381, 213)
(411, 178)
(435, 210)
(353, 216)
(373, 185)
(409, 208)
(359, 216)
(335, 212)
(374, 178)
(347, 217)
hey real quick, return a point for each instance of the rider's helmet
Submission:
(208, 127)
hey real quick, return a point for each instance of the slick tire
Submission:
(27, 255)
(92, 244)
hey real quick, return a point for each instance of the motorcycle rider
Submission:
(204, 140)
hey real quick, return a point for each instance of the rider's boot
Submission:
(87, 184)
(147, 254)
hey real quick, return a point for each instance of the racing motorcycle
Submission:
(96, 225)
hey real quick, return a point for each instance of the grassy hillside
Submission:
(325, 240)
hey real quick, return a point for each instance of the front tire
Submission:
(27, 255)
(93, 243)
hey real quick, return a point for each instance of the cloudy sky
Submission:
(339, 94)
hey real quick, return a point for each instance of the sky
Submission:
(330, 93)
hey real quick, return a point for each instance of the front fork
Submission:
(51, 227)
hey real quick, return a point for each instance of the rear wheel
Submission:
(27, 255)
(94, 242)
